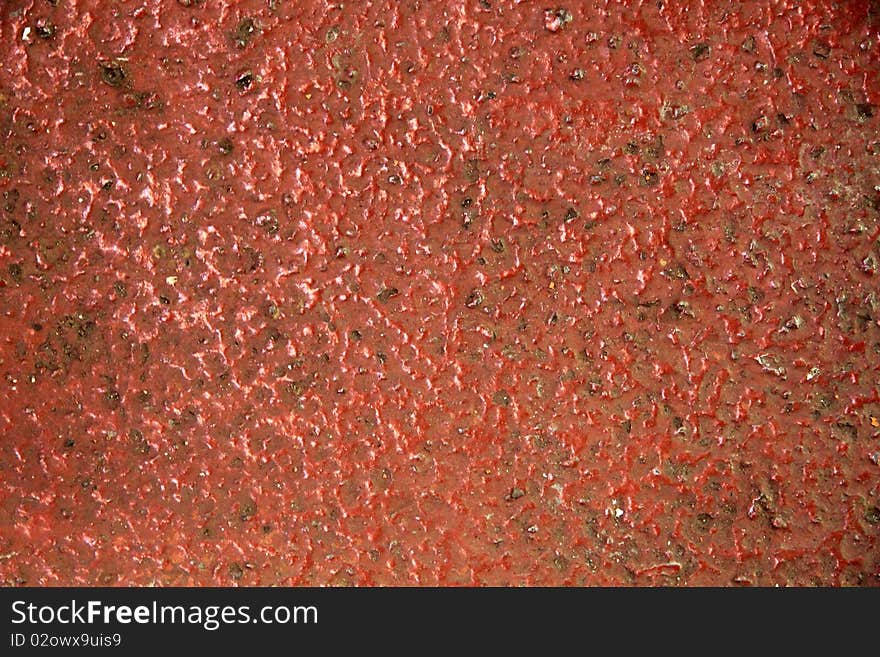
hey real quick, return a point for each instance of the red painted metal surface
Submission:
(476, 292)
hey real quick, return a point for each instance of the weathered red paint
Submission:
(439, 292)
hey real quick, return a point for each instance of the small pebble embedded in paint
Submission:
(556, 19)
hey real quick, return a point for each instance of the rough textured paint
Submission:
(481, 292)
